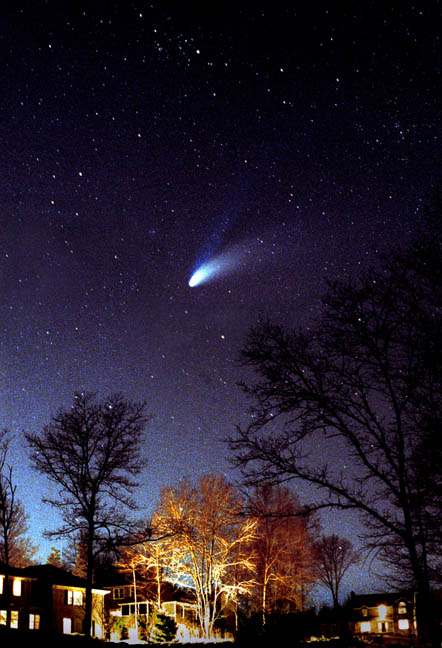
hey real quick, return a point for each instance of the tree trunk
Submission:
(7, 582)
(335, 595)
(264, 604)
(135, 598)
(428, 624)
(89, 579)
(158, 579)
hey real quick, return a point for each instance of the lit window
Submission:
(382, 611)
(364, 611)
(2, 617)
(16, 587)
(74, 598)
(67, 626)
(34, 622)
(382, 626)
(1, 584)
(402, 608)
(14, 618)
(78, 598)
(403, 624)
(365, 626)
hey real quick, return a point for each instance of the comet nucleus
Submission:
(198, 276)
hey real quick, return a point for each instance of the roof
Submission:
(49, 574)
(371, 600)
(111, 577)
(53, 575)
(12, 571)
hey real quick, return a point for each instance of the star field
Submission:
(139, 140)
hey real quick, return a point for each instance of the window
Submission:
(403, 624)
(1, 584)
(14, 618)
(73, 597)
(2, 617)
(16, 587)
(34, 622)
(382, 611)
(364, 611)
(365, 626)
(382, 626)
(118, 593)
(402, 608)
(67, 626)
(78, 598)
(129, 608)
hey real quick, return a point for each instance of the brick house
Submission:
(50, 599)
(25, 613)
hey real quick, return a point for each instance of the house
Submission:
(391, 615)
(16, 594)
(47, 598)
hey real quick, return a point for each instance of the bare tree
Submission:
(149, 559)
(206, 526)
(282, 549)
(91, 451)
(334, 557)
(154, 565)
(367, 378)
(15, 549)
(129, 563)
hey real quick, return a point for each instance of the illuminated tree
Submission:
(206, 527)
(282, 549)
(149, 560)
(334, 557)
(91, 451)
(365, 380)
(129, 563)
(153, 563)
(54, 558)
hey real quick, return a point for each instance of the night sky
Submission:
(139, 140)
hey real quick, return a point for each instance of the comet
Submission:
(218, 266)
